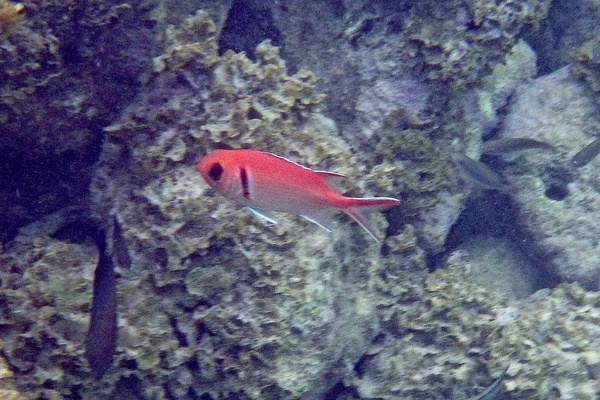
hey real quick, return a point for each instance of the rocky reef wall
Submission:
(107, 107)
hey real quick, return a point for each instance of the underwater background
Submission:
(123, 275)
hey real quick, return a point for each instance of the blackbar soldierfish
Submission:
(266, 182)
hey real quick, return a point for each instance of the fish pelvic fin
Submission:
(262, 215)
(358, 208)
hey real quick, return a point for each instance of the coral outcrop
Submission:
(552, 342)
(460, 42)
(222, 300)
(391, 70)
(558, 203)
(216, 304)
(62, 77)
(67, 69)
(568, 26)
(438, 334)
(587, 65)
(45, 294)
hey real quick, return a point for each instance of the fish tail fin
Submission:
(358, 207)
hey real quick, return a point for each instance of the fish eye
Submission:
(215, 172)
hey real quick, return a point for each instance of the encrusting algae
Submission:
(10, 16)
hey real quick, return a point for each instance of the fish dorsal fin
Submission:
(329, 177)
(332, 179)
(286, 159)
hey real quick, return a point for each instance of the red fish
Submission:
(266, 182)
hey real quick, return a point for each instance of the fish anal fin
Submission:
(359, 216)
(262, 215)
(360, 206)
(321, 218)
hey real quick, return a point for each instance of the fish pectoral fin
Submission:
(262, 215)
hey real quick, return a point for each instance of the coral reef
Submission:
(568, 26)
(216, 304)
(459, 42)
(63, 75)
(45, 294)
(438, 336)
(370, 81)
(480, 106)
(253, 294)
(557, 204)
(441, 336)
(370, 57)
(551, 341)
(378, 60)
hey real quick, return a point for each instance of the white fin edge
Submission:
(316, 223)
(262, 215)
(358, 215)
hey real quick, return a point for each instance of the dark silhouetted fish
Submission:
(101, 339)
(510, 145)
(478, 173)
(587, 154)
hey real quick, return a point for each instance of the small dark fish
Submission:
(101, 339)
(493, 389)
(587, 154)
(510, 145)
(478, 173)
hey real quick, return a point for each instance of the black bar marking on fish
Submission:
(244, 177)
(478, 173)
(101, 339)
(587, 154)
(509, 145)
